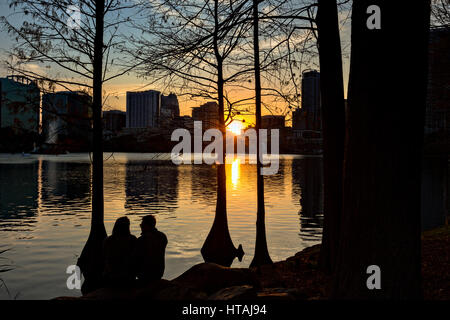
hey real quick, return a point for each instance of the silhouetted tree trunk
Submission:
(261, 256)
(82, 48)
(218, 246)
(90, 261)
(333, 123)
(382, 167)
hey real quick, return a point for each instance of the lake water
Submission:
(45, 211)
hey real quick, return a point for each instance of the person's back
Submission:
(117, 251)
(150, 250)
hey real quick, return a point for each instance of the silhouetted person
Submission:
(118, 249)
(150, 251)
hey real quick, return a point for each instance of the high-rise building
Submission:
(143, 109)
(19, 104)
(273, 122)
(114, 120)
(66, 115)
(208, 113)
(311, 91)
(298, 119)
(170, 109)
(311, 105)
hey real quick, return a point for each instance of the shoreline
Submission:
(296, 278)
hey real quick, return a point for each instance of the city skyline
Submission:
(117, 88)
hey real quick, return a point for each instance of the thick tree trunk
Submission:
(218, 246)
(386, 107)
(261, 256)
(333, 123)
(90, 260)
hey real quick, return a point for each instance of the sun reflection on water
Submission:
(235, 172)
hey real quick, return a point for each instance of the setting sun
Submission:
(236, 127)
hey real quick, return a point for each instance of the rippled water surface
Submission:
(45, 211)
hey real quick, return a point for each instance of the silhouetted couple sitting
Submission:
(127, 257)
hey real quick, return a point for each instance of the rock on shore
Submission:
(296, 278)
(283, 280)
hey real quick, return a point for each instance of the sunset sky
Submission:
(117, 88)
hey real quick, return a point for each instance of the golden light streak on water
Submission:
(235, 172)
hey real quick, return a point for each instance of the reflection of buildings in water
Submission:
(204, 184)
(18, 195)
(307, 184)
(66, 184)
(275, 182)
(26, 188)
(150, 188)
